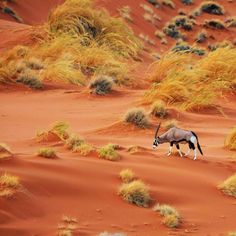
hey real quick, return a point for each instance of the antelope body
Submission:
(176, 136)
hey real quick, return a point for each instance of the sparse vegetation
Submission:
(183, 22)
(229, 186)
(171, 217)
(101, 85)
(111, 234)
(138, 117)
(230, 141)
(214, 24)
(188, 2)
(168, 3)
(231, 22)
(135, 192)
(192, 84)
(74, 142)
(84, 149)
(127, 175)
(4, 152)
(170, 124)
(30, 79)
(211, 7)
(8, 185)
(158, 109)
(201, 37)
(125, 12)
(47, 152)
(108, 152)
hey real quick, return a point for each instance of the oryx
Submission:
(175, 136)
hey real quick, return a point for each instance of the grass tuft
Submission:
(214, 24)
(108, 152)
(138, 117)
(47, 152)
(127, 175)
(158, 109)
(101, 85)
(8, 185)
(30, 79)
(229, 186)
(135, 192)
(230, 141)
(83, 149)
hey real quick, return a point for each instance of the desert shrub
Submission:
(30, 79)
(158, 109)
(182, 12)
(74, 141)
(84, 149)
(231, 22)
(171, 217)
(211, 7)
(159, 34)
(201, 37)
(170, 124)
(183, 22)
(135, 192)
(47, 152)
(108, 152)
(101, 85)
(8, 185)
(12, 13)
(127, 175)
(230, 141)
(231, 234)
(34, 63)
(125, 12)
(155, 3)
(171, 221)
(214, 24)
(172, 31)
(65, 232)
(164, 41)
(138, 117)
(168, 3)
(111, 234)
(188, 2)
(229, 186)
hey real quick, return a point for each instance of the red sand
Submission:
(86, 187)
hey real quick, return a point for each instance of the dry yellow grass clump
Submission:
(137, 116)
(8, 185)
(190, 83)
(230, 141)
(67, 226)
(135, 192)
(171, 217)
(127, 175)
(229, 186)
(47, 152)
(108, 152)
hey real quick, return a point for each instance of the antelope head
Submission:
(156, 138)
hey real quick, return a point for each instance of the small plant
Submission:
(230, 141)
(231, 22)
(68, 226)
(159, 34)
(211, 7)
(229, 186)
(101, 85)
(158, 109)
(8, 185)
(74, 142)
(232, 234)
(125, 13)
(34, 64)
(183, 22)
(201, 37)
(170, 124)
(188, 2)
(108, 152)
(171, 221)
(47, 152)
(149, 18)
(171, 216)
(111, 234)
(164, 41)
(135, 192)
(127, 175)
(214, 24)
(155, 3)
(147, 8)
(137, 117)
(4, 151)
(168, 3)
(30, 79)
(172, 31)
(84, 149)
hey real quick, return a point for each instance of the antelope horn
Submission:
(158, 127)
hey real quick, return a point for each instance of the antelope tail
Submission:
(198, 145)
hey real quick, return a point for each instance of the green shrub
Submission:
(172, 31)
(47, 152)
(108, 152)
(135, 192)
(101, 85)
(229, 186)
(137, 117)
(184, 22)
(30, 79)
(158, 109)
(74, 141)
